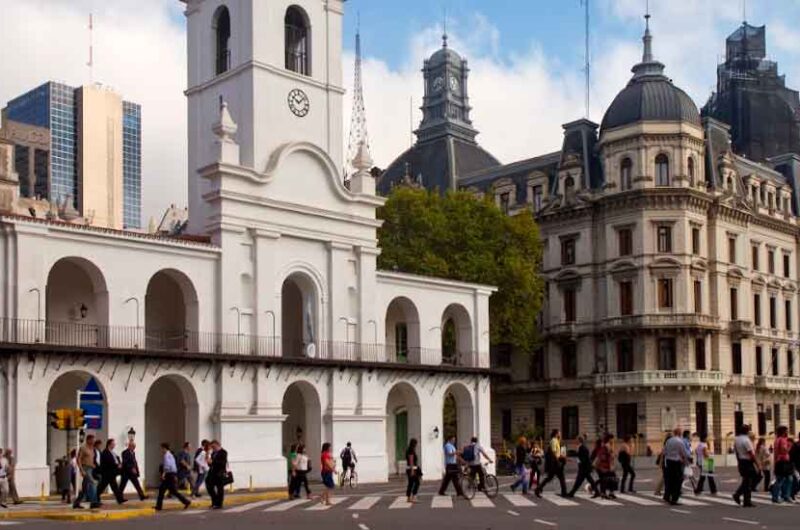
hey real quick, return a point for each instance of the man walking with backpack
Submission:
(349, 460)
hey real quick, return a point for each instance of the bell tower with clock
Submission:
(277, 64)
(446, 109)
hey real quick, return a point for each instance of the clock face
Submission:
(299, 103)
(438, 84)
(454, 84)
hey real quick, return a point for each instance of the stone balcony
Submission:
(780, 383)
(661, 321)
(740, 328)
(659, 379)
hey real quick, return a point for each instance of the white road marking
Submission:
(8, 523)
(644, 480)
(288, 505)
(321, 507)
(682, 500)
(481, 501)
(362, 526)
(742, 521)
(401, 503)
(599, 500)
(684, 512)
(247, 507)
(519, 501)
(512, 512)
(355, 516)
(558, 501)
(192, 512)
(441, 501)
(638, 499)
(365, 504)
(542, 521)
(727, 501)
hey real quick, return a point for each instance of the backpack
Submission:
(346, 454)
(469, 453)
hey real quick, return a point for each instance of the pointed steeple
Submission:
(649, 66)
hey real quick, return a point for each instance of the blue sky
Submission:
(526, 60)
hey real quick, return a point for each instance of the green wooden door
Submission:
(400, 435)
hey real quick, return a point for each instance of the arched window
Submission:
(569, 185)
(662, 170)
(222, 34)
(298, 41)
(690, 166)
(625, 174)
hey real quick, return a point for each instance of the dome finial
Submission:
(444, 33)
(647, 56)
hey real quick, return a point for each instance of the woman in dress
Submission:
(328, 466)
(413, 471)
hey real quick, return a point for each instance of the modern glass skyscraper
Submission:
(60, 110)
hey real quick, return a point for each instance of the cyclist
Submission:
(472, 456)
(349, 460)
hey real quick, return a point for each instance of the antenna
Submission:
(744, 11)
(358, 120)
(411, 121)
(90, 64)
(588, 65)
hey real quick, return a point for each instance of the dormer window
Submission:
(505, 202)
(298, 41)
(662, 170)
(625, 174)
(222, 32)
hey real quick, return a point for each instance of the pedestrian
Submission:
(86, 467)
(765, 463)
(413, 471)
(675, 458)
(185, 465)
(110, 468)
(349, 460)
(472, 454)
(748, 466)
(536, 466)
(74, 471)
(130, 471)
(452, 470)
(328, 468)
(217, 475)
(794, 456)
(201, 467)
(626, 461)
(661, 465)
(169, 479)
(705, 462)
(521, 456)
(584, 469)
(553, 465)
(3, 481)
(604, 464)
(784, 471)
(63, 478)
(300, 469)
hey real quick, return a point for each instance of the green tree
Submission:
(462, 237)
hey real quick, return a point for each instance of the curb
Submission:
(148, 511)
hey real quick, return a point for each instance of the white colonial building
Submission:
(267, 321)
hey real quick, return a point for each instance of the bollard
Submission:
(42, 495)
(251, 483)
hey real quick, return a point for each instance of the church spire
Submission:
(647, 56)
(649, 66)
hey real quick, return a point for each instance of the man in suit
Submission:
(130, 470)
(110, 467)
(218, 470)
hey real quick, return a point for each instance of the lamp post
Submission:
(38, 302)
(375, 329)
(271, 313)
(134, 299)
(238, 319)
(131, 435)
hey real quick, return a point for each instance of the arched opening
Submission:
(303, 423)
(170, 416)
(457, 337)
(63, 394)
(299, 316)
(222, 37)
(403, 422)
(298, 41)
(626, 174)
(691, 171)
(402, 331)
(457, 414)
(170, 312)
(76, 304)
(662, 170)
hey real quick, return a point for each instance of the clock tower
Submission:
(277, 65)
(446, 105)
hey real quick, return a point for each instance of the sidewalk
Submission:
(54, 509)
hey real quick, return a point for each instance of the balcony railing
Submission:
(778, 382)
(123, 338)
(667, 320)
(742, 328)
(660, 378)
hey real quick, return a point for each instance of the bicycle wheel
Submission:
(492, 486)
(353, 479)
(468, 487)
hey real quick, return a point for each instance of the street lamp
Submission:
(131, 435)
(375, 327)
(38, 302)
(271, 313)
(84, 311)
(238, 319)
(134, 299)
(436, 432)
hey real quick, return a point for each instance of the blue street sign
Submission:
(91, 401)
(92, 392)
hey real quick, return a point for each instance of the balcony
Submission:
(40, 335)
(658, 379)
(662, 321)
(741, 328)
(779, 383)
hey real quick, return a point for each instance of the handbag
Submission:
(227, 478)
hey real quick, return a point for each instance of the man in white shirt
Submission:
(169, 479)
(748, 466)
(675, 458)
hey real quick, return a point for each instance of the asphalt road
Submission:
(383, 508)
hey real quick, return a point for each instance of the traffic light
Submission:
(60, 419)
(78, 419)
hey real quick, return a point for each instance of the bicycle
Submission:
(471, 484)
(351, 478)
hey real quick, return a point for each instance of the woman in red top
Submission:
(782, 489)
(327, 465)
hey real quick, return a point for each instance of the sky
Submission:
(526, 59)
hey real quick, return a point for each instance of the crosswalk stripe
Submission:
(400, 503)
(192, 512)
(282, 507)
(252, 506)
(638, 499)
(441, 501)
(480, 501)
(683, 500)
(9, 523)
(727, 501)
(558, 501)
(599, 500)
(321, 507)
(365, 503)
(519, 500)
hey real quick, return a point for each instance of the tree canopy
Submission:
(460, 236)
